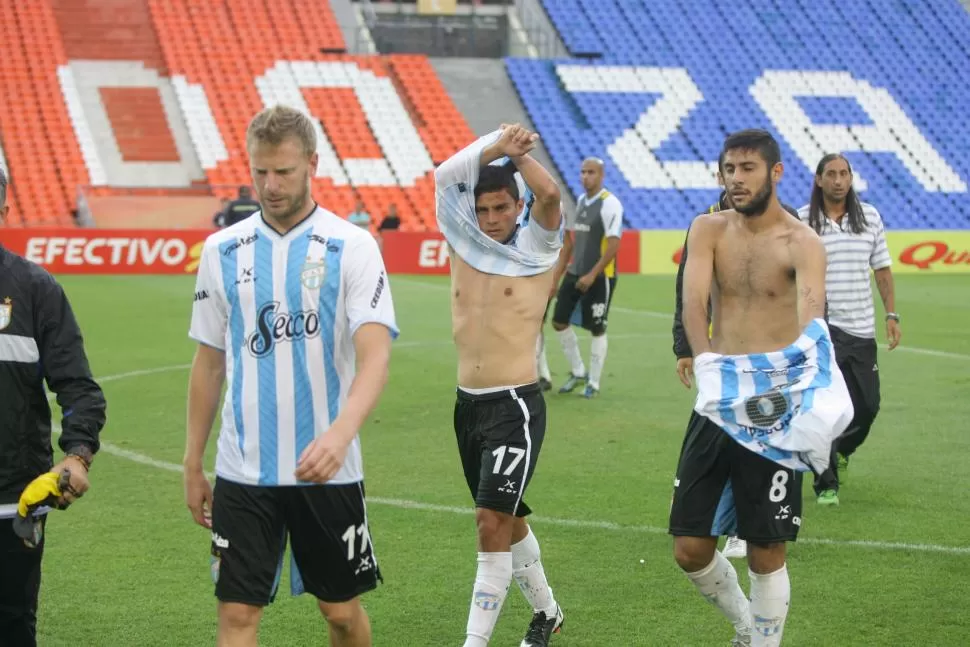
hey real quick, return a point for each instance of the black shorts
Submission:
(499, 437)
(713, 469)
(594, 303)
(330, 542)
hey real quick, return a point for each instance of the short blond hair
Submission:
(273, 125)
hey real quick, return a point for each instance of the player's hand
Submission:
(78, 482)
(685, 370)
(583, 282)
(323, 457)
(893, 333)
(198, 496)
(516, 141)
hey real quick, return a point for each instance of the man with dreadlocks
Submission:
(855, 241)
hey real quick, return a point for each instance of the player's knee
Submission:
(766, 558)
(494, 528)
(692, 553)
(236, 616)
(559, 326)
(598, 330)
(343, 617)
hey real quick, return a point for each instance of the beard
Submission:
(293, 204)
(759, 203)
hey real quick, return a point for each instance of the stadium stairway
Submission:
(482, 91)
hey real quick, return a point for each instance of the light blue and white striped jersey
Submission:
(787, 405)
(532, 250)
(285, 309)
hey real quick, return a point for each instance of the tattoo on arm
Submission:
(810, 300)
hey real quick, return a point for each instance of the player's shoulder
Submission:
(610, 199)
(26, 272)
(242, 230)
(329, 225)
(713, 222)
(803, 237)
(707, 229)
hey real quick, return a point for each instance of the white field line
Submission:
(406, 504)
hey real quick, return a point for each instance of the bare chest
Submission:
(498, 297)
(750, 267)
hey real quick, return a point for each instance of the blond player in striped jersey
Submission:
(855, 244)
(292, 309)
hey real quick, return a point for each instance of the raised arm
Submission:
(463, 166)
(698, 274)
(809, 258)
(547, 208)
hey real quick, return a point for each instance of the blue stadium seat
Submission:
(915, 52)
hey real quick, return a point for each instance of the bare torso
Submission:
(754, 296)
(495, 324)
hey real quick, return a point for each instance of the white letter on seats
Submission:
(633, 152)
(891, 130)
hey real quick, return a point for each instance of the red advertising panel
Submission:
(109, 251)
(177, 251)
(427, 253)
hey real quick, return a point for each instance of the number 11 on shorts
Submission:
(348, 537)
(499, 455)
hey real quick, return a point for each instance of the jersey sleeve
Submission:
(612, 215)
(534, 239)
(209, 308)
(367, 292)
(880, 258)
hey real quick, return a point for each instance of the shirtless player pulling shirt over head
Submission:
(501, 274)
(770, 396)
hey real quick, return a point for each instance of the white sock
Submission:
(570, 346)
(491, 585)
(597, 358)
(718, 583)
(770, 595)
(530, 576)
(541, 361)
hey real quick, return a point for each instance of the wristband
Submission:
(82, 453)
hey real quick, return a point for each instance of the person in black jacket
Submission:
(39, 341)
(240, 208)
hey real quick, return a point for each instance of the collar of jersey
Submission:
(588, 200)
(294, 231)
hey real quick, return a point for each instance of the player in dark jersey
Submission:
(590, 276)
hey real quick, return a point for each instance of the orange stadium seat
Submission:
(232, 55)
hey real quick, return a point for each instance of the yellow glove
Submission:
(46, 489)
